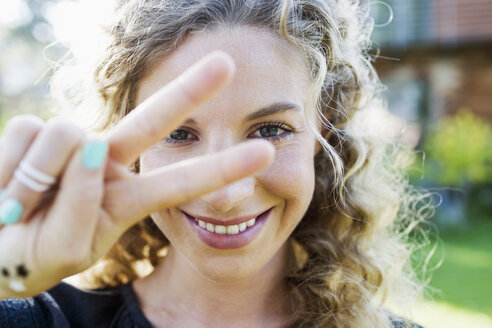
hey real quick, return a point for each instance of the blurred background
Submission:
(434, 56)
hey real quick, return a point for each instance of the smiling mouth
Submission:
(233, 229)
(228, 236)
(222, 229)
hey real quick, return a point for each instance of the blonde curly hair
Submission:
(352, 250)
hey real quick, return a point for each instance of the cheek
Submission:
(291, 176)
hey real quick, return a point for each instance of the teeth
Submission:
(221, 230)
(230, 230)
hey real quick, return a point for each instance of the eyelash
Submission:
(288, 132)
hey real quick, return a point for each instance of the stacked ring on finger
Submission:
(33, 178)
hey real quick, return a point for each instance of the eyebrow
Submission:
(275, 108)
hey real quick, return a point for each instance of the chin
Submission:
(237, 268)
(228, 269)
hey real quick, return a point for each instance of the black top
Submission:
(65, 306)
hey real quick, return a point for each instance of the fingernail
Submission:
(94, 154)
(10, 211)
(2, 193)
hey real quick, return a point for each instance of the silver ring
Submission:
(33, 178)
(36, 174)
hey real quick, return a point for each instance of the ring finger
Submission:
(42, 164)
(18, 136)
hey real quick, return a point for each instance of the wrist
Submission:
(5, 293)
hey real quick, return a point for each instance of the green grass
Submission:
(465, 276)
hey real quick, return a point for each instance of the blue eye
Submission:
(273, 131)
(269, 131)
(180, 135)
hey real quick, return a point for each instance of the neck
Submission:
(176, 290)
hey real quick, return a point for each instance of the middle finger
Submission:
(154, 118)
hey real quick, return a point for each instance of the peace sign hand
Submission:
(96, 202)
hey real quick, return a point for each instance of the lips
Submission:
(226, 223)
(225, 241)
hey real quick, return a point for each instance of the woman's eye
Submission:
(269, 131)
(180, 135)
(272, 131)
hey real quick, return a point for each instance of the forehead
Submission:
(267, 68)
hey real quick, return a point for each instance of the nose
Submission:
(224, 199)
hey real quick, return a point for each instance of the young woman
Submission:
(267, 194)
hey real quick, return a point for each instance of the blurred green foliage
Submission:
(464, 278)
(459, 150)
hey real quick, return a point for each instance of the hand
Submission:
(66, 230)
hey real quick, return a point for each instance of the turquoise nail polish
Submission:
(2, 193)
(94, 154)
(10, 211)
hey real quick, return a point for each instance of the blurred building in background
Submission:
(435, 57)
(441, 56)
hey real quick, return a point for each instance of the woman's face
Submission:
(269, 75)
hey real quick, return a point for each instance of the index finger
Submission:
(154, 118)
